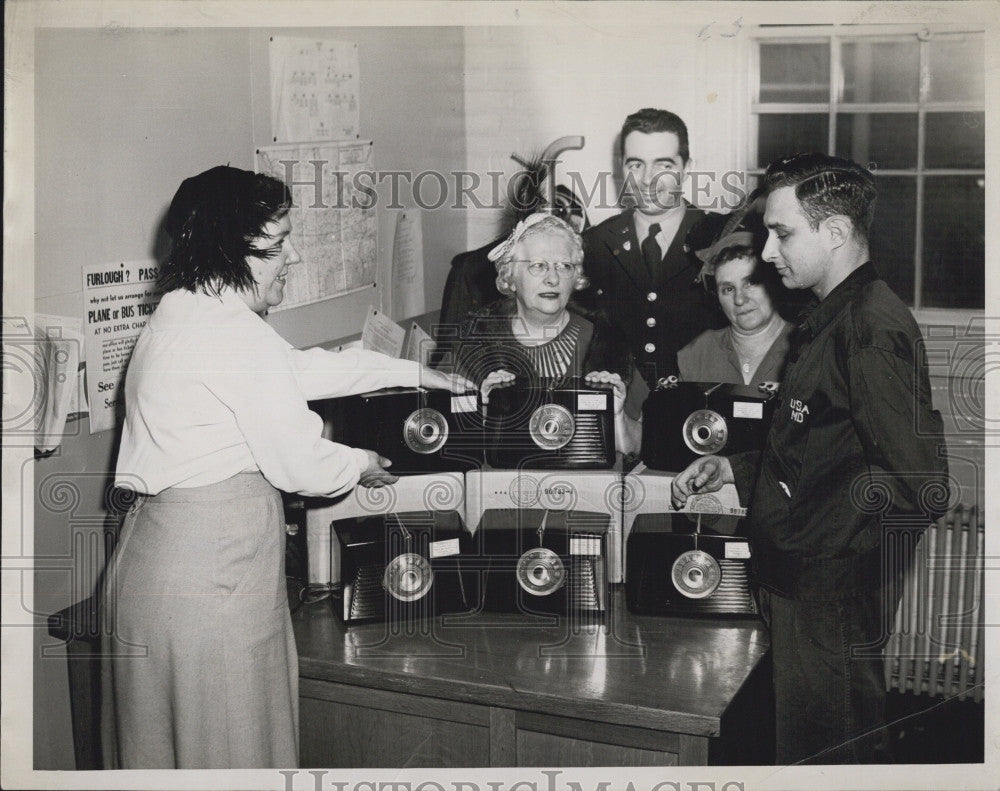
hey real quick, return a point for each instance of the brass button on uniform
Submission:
(651, 322)
(650, 348)
(651, 296)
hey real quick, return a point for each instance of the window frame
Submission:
(835, 35)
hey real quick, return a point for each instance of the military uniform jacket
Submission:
(658, 312)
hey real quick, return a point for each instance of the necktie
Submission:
(651, 254)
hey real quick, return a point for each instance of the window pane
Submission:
(954, 246)
(956, 68)
(881, 71)
(893, 234)
(782, 135)
(955, 140)
(795, 72)
(879, 140)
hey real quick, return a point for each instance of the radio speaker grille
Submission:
(584, 589)
(368, 601)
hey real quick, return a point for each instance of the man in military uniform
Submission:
(642, 276)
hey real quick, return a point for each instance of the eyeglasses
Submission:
(541, 268)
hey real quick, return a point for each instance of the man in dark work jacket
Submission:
(651, 296)
(851, 472)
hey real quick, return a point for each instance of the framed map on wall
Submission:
(334, 225)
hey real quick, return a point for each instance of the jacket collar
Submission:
(827, 310)
(623, 243)
(622, 225)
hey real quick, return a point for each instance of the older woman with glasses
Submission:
(536, 332)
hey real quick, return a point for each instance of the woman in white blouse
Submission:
(202, 670)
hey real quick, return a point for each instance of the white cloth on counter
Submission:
(212, 391)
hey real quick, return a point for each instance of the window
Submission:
(909, 105)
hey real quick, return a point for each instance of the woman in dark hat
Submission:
(200, 657)
(754, 347)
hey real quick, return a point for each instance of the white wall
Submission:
(528, 85)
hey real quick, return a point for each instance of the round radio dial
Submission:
(551, 426)
(408, 577)
(540, 572)
(705, 432)
(696, 574)
(425, 431)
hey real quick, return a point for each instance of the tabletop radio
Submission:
(402, 566)
(684, 420)
(537, 561)
(419, 430)
(564, 424)
(686, 573)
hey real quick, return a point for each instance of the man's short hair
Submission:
(650, 120)
(825, 186)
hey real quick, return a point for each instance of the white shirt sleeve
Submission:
(283, 436)
(213, 391)
(326, 374)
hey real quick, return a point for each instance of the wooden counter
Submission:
(502, 690)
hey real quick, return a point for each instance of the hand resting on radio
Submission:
(438, 380)
(707, 474)
(499, 378)
(376, 474)
(615, 380)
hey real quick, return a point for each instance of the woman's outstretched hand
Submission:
(376, 474)
(437, 380)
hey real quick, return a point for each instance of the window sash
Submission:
(835, 36)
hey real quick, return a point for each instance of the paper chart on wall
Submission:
(408, 265)
(334, 225)
(314, 89)
(382, 334)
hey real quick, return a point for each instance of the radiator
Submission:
(936, 646)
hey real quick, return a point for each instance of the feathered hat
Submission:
(713, 234)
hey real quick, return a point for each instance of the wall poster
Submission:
(118, 299)
(314, 89)
(334, 225)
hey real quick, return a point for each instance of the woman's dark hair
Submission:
(213, 220)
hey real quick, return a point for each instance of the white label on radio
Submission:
(590, 545)
(441, 549)
(592, 401)
(737, 550)
(752, 409)
(463, 403)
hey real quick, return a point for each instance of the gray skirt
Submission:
(200, 667)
